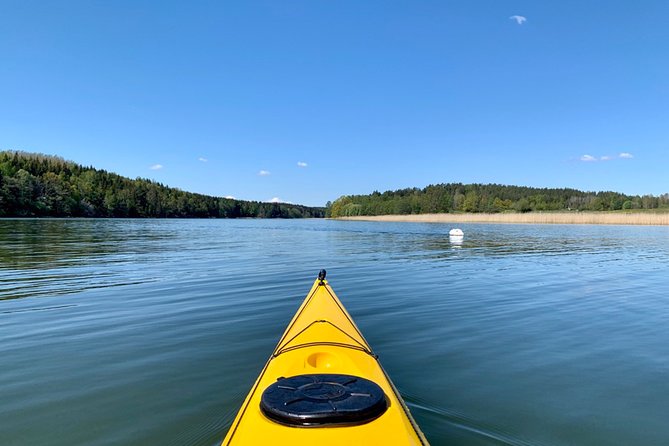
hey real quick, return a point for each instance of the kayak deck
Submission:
(322, 341)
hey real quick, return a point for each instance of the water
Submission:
(151, 332)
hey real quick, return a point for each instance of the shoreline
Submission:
(557, 218)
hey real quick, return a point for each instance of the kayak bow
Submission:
(323, 385)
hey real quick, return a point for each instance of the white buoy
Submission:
(456, 236)
(456, 232)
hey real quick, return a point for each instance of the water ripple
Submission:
(151, 331)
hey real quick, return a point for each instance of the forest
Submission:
(35, 185)
(491, 198)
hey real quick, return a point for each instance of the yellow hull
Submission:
(322, 339)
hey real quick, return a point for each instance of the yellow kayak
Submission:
(323, 385)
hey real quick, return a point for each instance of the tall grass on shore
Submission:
(561, 218)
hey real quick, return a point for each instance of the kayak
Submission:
(323, 385)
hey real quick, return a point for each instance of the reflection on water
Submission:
(35, 244)
(152, 331)
(46, 257)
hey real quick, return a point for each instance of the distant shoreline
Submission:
(558, 218)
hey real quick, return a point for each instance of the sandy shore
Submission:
(561, 218)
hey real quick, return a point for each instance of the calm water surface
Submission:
(151, 332)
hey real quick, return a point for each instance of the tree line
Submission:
(493, 198)
(35, 185)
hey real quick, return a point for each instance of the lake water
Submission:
(151, 332)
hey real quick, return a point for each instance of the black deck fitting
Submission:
(321, 275)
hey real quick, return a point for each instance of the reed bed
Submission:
(558, 218)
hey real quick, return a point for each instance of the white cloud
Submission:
(156, 167)
(278, 200)
(519, 19)
(301, 164)
(590, 158)
(203, 159)
(264, 173)
(230, 197)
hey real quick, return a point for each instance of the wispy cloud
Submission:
(519, 19)
(264, 173)
(301, 164)
(203, 159)
(156, 167)
(590, 158)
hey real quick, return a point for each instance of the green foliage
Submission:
(33, 185)
(456, 197)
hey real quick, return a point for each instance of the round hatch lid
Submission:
(323, 399)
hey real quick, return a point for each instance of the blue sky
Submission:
(304, 101)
